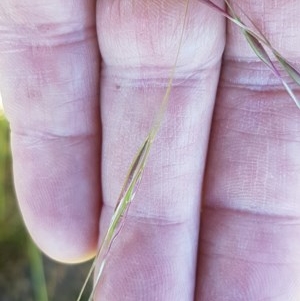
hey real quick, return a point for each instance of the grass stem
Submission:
(37, 272)
(258, 41)
(132, 180)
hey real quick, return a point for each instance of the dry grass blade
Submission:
(132, 181)
(127, 193)
(222, 12)
(260, 52)
(291, 93)
(126, 196)
(257, 40)
(292, 72)
(265, 58)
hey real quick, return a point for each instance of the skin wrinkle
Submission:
(47, 30)
(160, 265)
(19, 39)
(150, 78)
(216, 252)
(70, 164)
(282, 132)
(31, 13)
(246, 261)
(252, 75)
(141, 219)
(43, 89)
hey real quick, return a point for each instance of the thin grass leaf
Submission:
(234, 18)
(256, 40)
(223, 12)
(260, 51)
(265, 58)
(126, 196)
(132, 181)
(291, 93)
(37, 272)
(290, 70)
(258, 34)
(232, 11)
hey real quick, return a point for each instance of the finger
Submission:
(249, 241)
(49, 83)
(154, 257)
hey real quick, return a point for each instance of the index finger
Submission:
(49, 72)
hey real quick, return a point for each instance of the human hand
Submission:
(246, 247)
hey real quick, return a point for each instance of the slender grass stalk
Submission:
(292, 72)
(4, 150)
(258, 41)
(37, 272)
(132, 180)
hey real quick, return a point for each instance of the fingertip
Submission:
(67, 239)
(58, 191)
(65, 245)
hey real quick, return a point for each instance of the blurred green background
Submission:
(25, 273)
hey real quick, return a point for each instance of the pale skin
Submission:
(228, 145)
